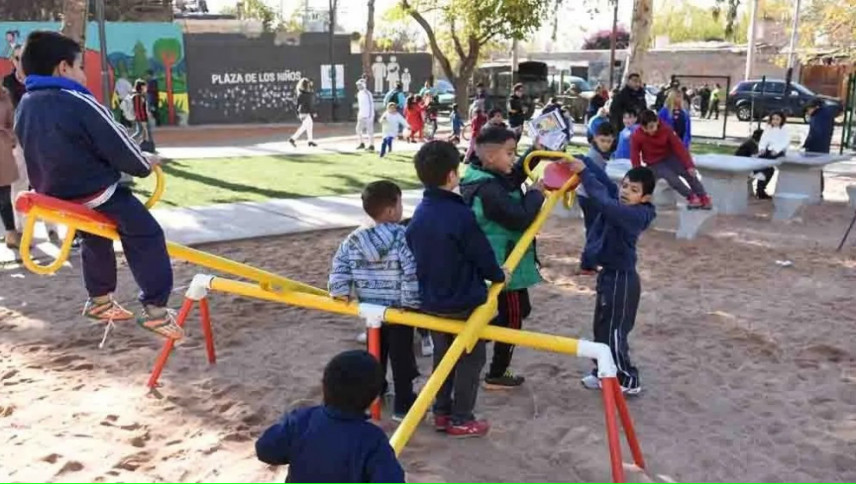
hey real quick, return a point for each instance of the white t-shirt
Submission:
(391, 122)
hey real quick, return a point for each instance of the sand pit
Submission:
(748, 367)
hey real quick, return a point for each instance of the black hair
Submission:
(815, 103)
(150, 72)
(517, 86)
(45, 50)
(604, 129)
(480, 84)
(780, 114)
(634, 74)
(399, 85)
(494, 135)
(352, 380)
(647, 117)
(455, 107)
(631, 112)
(379, 195)
(553, 100)
(139, 84)
(434, 161)
(756, 135)
(493, 112)
(643, 175)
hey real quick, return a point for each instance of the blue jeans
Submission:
(386, 145)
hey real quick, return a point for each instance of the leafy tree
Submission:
(828, 23)
(368, 39)
(168, 51)
(602, 40)
(256, 10)
(141, 60)
(469, 25)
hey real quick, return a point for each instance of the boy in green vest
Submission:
(492, 187)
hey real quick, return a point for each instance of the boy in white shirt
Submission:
(391, 121)
(773, 144)
(365, 115)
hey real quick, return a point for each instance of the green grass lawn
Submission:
(228, 180)
(194, 182)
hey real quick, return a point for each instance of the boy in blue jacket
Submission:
(375, 265)
(612, 238)
(76, 151)
(598, 154)
(622, 150)
(334, 442)
(453, 261)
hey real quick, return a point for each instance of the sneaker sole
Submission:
(465, 436)
(495, 386)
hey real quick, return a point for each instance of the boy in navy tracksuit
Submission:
(492, 187)
(453, 260)
(334, 442)
(375, 265)
(598, 154)
(612, 239)
(75, 151)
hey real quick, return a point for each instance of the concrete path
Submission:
(244, 220)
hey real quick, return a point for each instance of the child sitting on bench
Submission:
(75, 151)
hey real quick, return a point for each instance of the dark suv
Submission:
(770, 95)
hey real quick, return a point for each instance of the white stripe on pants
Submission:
(366, 125)
(305, 125)
(22, 184)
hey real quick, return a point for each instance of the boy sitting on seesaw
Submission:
(375, 264)
(665, 154)
(453, 260)
(334, 442)
(598, 154)
(492, 187)
(612, 241)
(75, 151)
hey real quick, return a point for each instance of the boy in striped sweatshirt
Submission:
(375, 265)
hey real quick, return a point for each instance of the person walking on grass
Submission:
(365, 116)
(305, 112)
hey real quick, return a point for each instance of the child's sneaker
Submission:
(634, 390)
(362, 337)
(591, 381)
(427, 345)
(694, 202)
(370, 149)
(442, 422)
(161, 322)
(293, 144)
(706, 202)
(473, 428)
(503, 382)
(362, 146)
(106, 310)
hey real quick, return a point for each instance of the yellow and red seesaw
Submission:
(559, 182)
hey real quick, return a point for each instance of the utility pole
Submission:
(792, 53)
(612, 44)
(515, 61)
(332, 73)
(753, 33)
(102, 44)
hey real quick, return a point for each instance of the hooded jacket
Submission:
(375, 264)
(74, 148)
(820, 129)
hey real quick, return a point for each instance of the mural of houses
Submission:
(134, 49)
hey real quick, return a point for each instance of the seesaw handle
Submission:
(27, 240)
(160, 184)
(543, 154)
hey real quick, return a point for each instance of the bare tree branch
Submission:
(455, 40)
(432, 39)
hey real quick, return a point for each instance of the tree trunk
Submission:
(74, 15)
(640, 37)
(368, 41)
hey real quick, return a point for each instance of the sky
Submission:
(352, 15)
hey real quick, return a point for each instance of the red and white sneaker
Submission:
(442, 422)
(473, 428)
(694, 202)
(106, 311)
(706, 202)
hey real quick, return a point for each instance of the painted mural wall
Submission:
(133, 48)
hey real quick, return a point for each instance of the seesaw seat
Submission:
(556, 175)
(29, 200)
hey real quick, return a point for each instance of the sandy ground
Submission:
(748, 367)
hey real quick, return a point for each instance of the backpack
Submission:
(127, 107)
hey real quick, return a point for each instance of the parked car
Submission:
(576, 95)
(755, 99)
(445, 94)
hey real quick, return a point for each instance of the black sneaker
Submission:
(291, 140)
(362, 146)
(504, 382)
(370, 148)
(312, 144)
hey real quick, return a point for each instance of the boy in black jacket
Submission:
(612, 239)
(76, 151)
(492, 187)
(453, 260)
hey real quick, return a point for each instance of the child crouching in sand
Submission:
(612, 241)
(375, 264)
(334, 442)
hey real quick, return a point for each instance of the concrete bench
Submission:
(800, 173)
(693, 222)
(725, 177)
(851, 195)
(788, 205)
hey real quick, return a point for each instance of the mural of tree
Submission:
(141, 60)
(168, 51)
